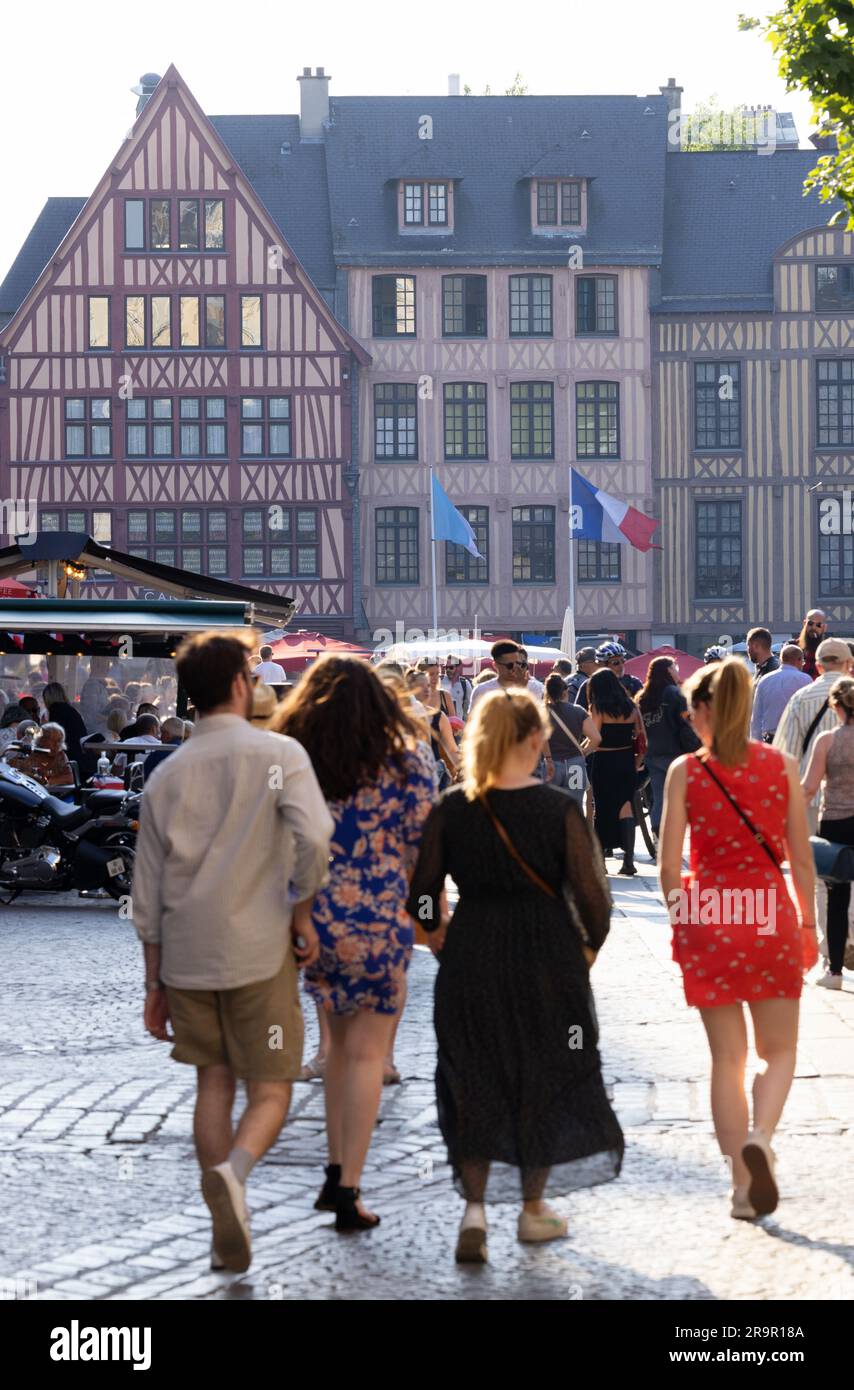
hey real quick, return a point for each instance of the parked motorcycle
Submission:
(50, 846)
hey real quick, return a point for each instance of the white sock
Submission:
(474, 1215)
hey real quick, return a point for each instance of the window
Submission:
(530, 306)
(460, 566)
(214, 224)
(395, 421)
(188, 224)
(135, 321)
(595, 304)
(533, 545)
(718, 526)
(281, 541)
(193, 540)
(250, 320)
(134, 224)
(161, 321)
(835, 387)
(834, 288)
(189, 320)
(598, 562)
(465, 420)
(464, 306)
(99, 321)
(597, 420)
(202, 426)
(214, 321)
(396, 545)
(394, 306)
(99, 526)
(717, 405)
(159, 224)
(149, 427)
(835, 563)
(425, 204)
(558, 203)
(532, 420)
(88, 427)
(265, 426)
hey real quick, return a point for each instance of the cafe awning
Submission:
(75, 548)
(96, 627)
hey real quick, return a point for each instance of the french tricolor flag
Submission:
(597, 516)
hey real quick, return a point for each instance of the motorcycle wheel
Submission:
(125, 846)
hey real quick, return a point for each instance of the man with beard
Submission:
(813, 631)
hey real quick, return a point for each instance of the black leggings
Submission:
(841, 832)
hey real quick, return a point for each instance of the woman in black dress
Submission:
(615, 764)
(518, 1081)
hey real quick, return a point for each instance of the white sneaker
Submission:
(829, 981)
(226, 1200)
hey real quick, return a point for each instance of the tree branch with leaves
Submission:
(813, 41)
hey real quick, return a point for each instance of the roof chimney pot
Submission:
(313, 104)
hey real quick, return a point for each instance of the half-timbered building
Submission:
(753, 346)
(174, 382)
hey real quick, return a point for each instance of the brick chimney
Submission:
(313, 104)
(673, 96)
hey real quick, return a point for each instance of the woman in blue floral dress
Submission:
(379, 789)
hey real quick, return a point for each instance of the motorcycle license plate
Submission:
(115, 867)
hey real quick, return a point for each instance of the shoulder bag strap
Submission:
(812, 728)
(513, 852)
(570, 735)
(757, 835)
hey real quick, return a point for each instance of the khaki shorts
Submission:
(256, 1030)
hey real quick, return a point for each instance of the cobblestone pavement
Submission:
(101, 1194)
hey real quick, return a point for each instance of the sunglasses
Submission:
(616, 661)
(510, 665)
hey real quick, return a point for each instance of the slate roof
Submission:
(712, 221)
(291, 186)
(726, 214)
(493, 145)
(45, 235)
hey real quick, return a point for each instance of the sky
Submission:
(66, 104)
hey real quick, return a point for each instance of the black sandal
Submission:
(347, 1215)
(329, 1190)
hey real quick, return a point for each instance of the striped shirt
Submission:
(799, 715)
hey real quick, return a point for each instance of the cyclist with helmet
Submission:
(714, 653)
(611, 656)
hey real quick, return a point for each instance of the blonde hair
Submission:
(727, 689)
(54, 730)
(116, 720)
(842, 694)
(499, 722)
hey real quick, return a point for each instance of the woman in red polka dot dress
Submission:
(736, 933)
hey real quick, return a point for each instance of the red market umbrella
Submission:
(13, 588)
(297, 650)
(685, 664)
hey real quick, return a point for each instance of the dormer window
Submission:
(425, 205)
(558, 204)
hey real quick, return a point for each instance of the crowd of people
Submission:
(49, 736)
(316, 834)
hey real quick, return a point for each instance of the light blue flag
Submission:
(451, 525)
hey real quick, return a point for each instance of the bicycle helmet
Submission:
(714, 653)
(609, 650)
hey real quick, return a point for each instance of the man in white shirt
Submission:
(774, 691)
(233, 845)
(269, 672)
(458, 686)
(511, 669)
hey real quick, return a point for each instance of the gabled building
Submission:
(498, 287)
(176, 384)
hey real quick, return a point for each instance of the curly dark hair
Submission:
(348, 722)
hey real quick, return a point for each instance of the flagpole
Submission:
(433, 554)
(572, 649)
